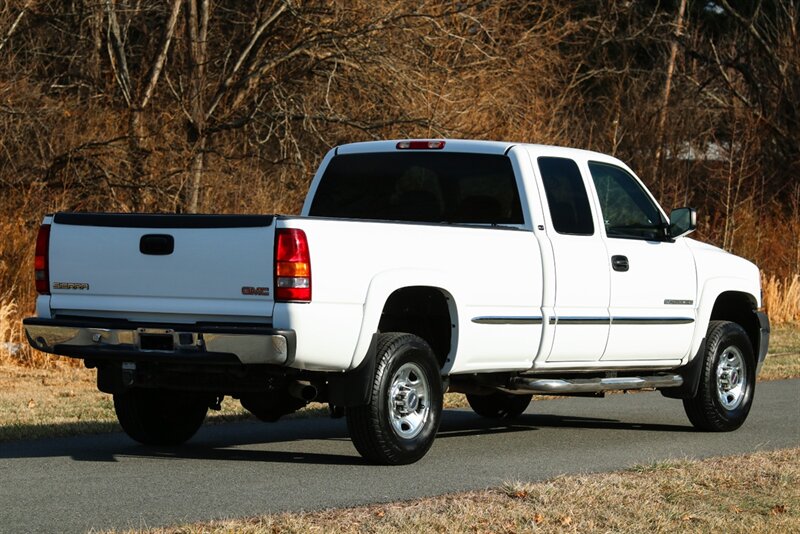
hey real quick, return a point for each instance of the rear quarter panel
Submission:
(356, 265)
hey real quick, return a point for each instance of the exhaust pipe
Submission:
(303, 390)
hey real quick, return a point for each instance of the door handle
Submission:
(620, 263)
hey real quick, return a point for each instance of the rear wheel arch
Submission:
(425, 311)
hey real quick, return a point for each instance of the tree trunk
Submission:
(196, 175)
(137, 155)
(197, 31)
(662, 115)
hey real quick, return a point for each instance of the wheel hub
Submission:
(406, 401)
(731, 378)
(409, 409)
(728, 379)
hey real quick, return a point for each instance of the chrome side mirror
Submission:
(682, 221)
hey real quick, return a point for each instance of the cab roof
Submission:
(464, 145)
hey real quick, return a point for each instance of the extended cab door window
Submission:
(566, 196)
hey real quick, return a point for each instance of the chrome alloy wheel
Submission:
(409, 407)
(731, 378)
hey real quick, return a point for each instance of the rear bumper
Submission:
(133, 342)
(763, 344)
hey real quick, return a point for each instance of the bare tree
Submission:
(663, 112)
(14, 24)
(137, 96)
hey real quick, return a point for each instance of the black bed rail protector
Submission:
(162, 220)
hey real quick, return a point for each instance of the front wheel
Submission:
(727, 381)
(160, 417)
(399, 424)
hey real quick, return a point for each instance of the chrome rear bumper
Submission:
(126, 341)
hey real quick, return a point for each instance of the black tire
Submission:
(727, 381)
(399, 431)
(160, 417)
(499, 405)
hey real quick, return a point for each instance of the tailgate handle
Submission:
(157, 244)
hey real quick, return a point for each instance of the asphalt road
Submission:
(242, 469)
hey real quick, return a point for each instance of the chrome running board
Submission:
(550, 386)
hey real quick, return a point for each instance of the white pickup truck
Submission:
(499, 270)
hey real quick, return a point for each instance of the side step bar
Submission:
(550, 386)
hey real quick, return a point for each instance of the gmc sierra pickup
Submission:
(499, 270)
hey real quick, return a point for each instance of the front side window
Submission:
(628, 211)
(566, 196)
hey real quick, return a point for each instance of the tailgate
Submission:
(162, 268)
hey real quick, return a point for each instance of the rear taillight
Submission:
(41, 263)
(292, 266)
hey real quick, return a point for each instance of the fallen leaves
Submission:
(778, 509)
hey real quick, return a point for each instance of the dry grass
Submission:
(14, 348)
(57, 401)
(758, 492)
(63, 400)
(782, 298)
(783, 359)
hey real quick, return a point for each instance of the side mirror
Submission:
(682, 221)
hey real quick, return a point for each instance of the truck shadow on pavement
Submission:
(322, 441)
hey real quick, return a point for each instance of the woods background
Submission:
(227, 106)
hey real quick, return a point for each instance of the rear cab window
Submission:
(444, 187)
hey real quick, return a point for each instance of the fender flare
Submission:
(381, 288)
(709, 294)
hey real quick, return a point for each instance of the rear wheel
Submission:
(499, 405)
(399, 424)
(727, 382)
(160, 417)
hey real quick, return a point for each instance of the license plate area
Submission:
(162, 342)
